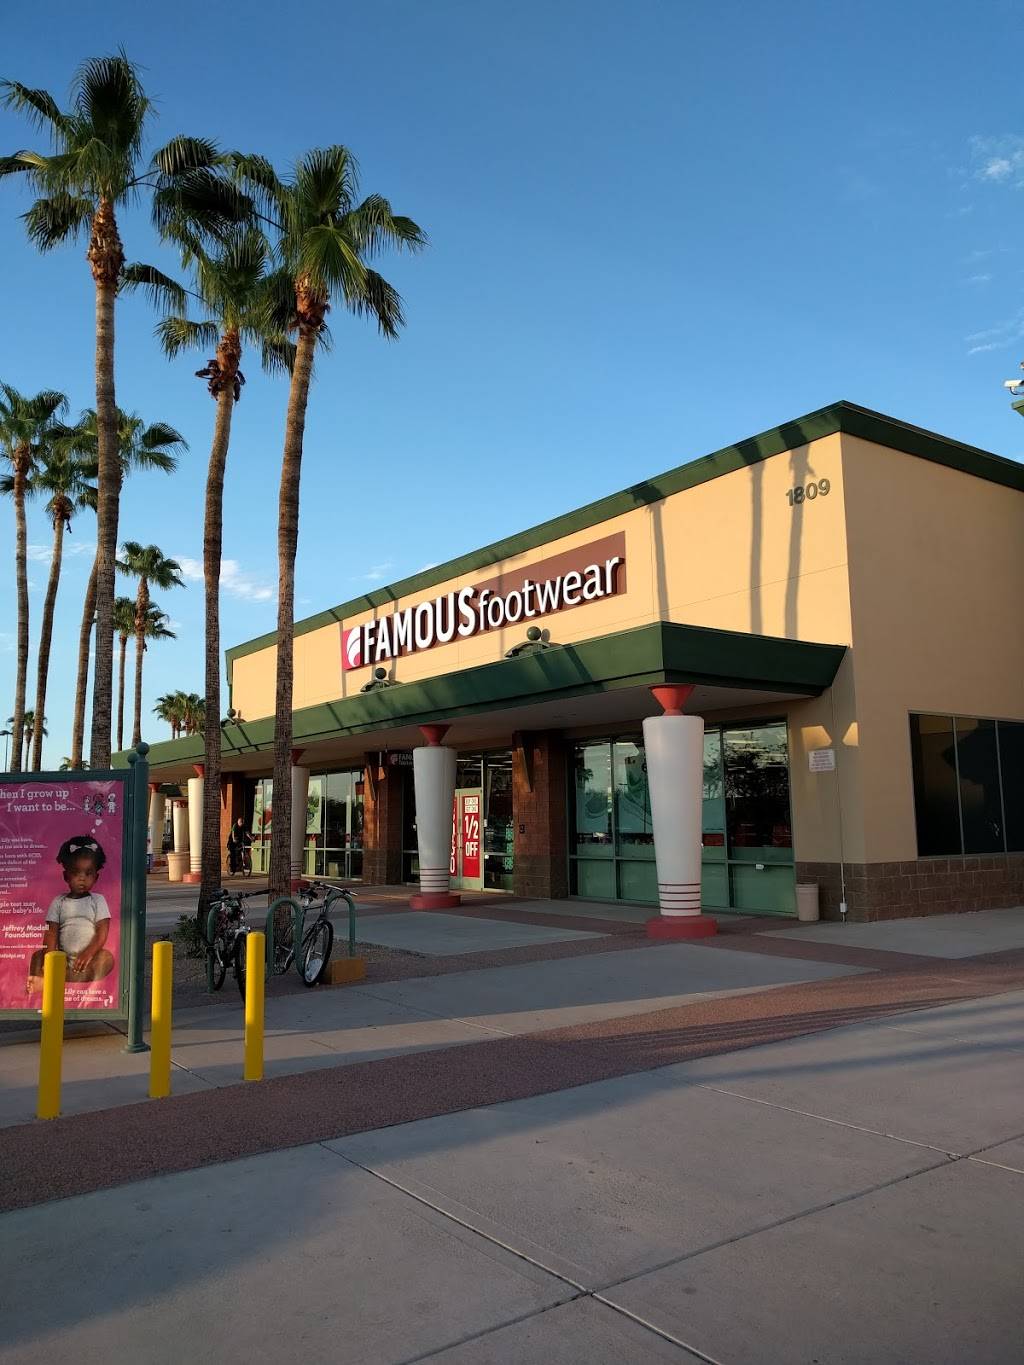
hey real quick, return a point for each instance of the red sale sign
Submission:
(471, 836)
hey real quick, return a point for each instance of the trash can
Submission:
(177, 866)
(807, 902)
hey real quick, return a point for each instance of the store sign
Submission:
(573, 579)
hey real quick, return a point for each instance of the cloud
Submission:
(233, 579)
(42, 554)
(377, 572)
(978, 279)
(998, 337)
(998, 160)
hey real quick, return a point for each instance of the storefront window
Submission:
(593, 800)
(334, 825)
(1011, 764)
(968, 785)
(756, 762)
(747, 834)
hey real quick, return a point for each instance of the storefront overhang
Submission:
(560, 687)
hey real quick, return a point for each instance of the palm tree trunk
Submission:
(123, 646)
(106, 258)
(21, 573)
(141, 612)
(212, 544)
(45, 636)
(82, 678)
(287, 542)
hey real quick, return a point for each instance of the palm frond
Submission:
(160, 289)
(203, 200)
(329, 261)
(278, 356)
(373, 228)
(62, 216)
(382, 301)
(20, 161)
(159, 435)
(258, 176)
(183, 154)
(177, 334)
(39, 105)
(109, 97)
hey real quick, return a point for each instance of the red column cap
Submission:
(672, 698)
(434, 734)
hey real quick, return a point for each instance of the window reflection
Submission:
(593, 789)
(756, 765)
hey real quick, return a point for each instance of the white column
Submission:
(195, 825)
(300, 796)
(179, 825)
(157, 811)
(674, 752)
(433, 770)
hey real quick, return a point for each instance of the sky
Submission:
(655, 228)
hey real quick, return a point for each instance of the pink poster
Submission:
(60, 887)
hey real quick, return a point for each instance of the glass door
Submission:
(467, 871)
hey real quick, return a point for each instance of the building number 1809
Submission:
(808, 493)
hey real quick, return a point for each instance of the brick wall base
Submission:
(927, 886)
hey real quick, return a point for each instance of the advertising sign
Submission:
(62, 853)
(471, 836)
(572, 579)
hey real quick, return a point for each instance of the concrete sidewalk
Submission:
(324, 1028)
(815, 1200)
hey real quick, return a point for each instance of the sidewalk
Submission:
(575, 1158)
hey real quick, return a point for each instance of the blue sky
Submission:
(655, 228)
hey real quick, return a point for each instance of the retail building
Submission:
(842, 595)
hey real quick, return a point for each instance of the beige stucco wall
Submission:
(937, 568)
(730, 553)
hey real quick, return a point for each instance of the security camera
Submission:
(1013, 384)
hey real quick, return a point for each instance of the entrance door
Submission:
(467, 865)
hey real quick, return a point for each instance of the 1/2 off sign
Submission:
(465, 860)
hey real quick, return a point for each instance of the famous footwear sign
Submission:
(572, 579)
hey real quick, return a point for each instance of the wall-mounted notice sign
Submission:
(822, 760)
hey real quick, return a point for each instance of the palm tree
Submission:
(324, 237)
(66, 478)
(139, 447)
(157, 628)
(25, 427)
(96, 167)
(230, 284)
(184, 712)
(148, 564)
(29, 728)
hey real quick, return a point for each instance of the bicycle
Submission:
(244, 863)
(227, 931)
(318, 938)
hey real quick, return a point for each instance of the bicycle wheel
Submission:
(246, 863)
(316, 952)
(219, 952)
(284, 949)
(240, 944)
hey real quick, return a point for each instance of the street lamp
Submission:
(6, 734)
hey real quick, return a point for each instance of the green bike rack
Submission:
(298, 916)
(211, 922)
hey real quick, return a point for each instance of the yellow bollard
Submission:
(51, 1040)
(160, 1032)
(255, 958)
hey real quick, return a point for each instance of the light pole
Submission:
(6, 734)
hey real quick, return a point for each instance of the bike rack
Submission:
(211, 920)
(298, 916)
